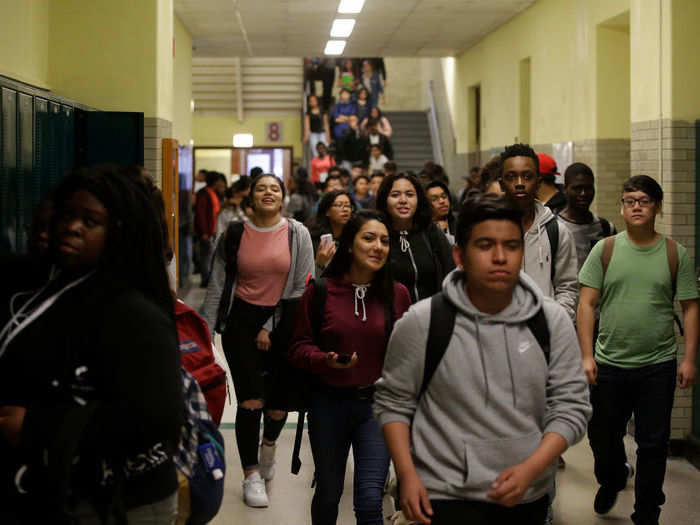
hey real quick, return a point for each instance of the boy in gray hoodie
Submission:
(553, 268)
(479, 444)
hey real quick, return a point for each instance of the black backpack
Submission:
(442, 323)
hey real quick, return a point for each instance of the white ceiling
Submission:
(301, 27)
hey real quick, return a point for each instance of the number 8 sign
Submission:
(273, 131)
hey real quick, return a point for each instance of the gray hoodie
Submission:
(492, 397)
(537, 263)
(302, 265)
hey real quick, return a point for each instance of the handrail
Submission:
(434, 128)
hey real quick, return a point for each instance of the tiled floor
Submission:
(290, 496)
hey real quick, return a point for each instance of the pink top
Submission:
(263, 263)
(320, 165)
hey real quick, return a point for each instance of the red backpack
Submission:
(197, 358)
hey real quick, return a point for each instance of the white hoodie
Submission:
(537, 263)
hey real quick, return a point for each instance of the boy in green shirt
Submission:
(634, 369)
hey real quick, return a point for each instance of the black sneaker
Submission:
(604, 500)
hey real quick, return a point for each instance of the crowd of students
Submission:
(469, 339)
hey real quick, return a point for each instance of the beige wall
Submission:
(559, 37)
(218, 130)
(182, 84)
(24, 41)
(113, 55)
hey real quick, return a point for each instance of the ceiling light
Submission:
(350, 6)
(342, 27)
(334, 47)
(243, 140)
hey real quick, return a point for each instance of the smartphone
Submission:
(343, 359)
(326, 240)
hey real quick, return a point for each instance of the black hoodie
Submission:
(421, 261)
(99, 375)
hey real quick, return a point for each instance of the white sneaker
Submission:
(267, 461)
(254, 493)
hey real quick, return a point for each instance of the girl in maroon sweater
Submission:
(362, 304)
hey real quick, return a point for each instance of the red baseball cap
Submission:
(548, 166)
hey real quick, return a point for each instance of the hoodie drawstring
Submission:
(403, 239)
(360, 292)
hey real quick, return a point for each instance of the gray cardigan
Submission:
(302, 265)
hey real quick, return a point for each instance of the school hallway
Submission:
(290, 495)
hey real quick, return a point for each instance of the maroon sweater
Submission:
(343, 332)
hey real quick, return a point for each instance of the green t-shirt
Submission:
(636, 305)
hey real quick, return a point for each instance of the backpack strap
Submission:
(540, 329)
(442, 322)
(605, 225)
(608, 247)
(672, 256)
(232, 242)
(552, 228)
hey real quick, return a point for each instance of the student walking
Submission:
(585, 226)
(343, 345)
(482, 387)
(91, 401)
(550, 253)
(635, 277)
(272, 258)
(421, 255)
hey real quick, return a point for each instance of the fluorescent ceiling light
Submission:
(243, 140)
(334, 47)
(350, 6)
(342, 27)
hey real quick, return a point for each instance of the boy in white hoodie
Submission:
(553, 268)
(477, 444)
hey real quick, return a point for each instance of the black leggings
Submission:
(252, 379)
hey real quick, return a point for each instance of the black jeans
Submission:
(458, 512)
(646, 392)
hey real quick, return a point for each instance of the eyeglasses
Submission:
(441, 197)
(629, 202)
(342, 206)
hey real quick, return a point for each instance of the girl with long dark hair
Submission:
(421, 255)
(273, 260)
(91, 401)
(334, 211)
(345, 350)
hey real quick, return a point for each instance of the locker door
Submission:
(67, 143)
(42, 149)
(108, 137)
(8, 167)
(27, 186)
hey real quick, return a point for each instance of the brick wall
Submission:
(154, 131)
(678, 219)
(610, 161)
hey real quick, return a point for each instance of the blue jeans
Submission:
(334, 425)
(647, 392)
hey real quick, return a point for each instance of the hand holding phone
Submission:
(326, 240)
(335, 360)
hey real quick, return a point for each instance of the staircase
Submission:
(410, 138)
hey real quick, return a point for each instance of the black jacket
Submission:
(424, 263)
(99, 375)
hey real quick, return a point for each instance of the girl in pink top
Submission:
(273, 260)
